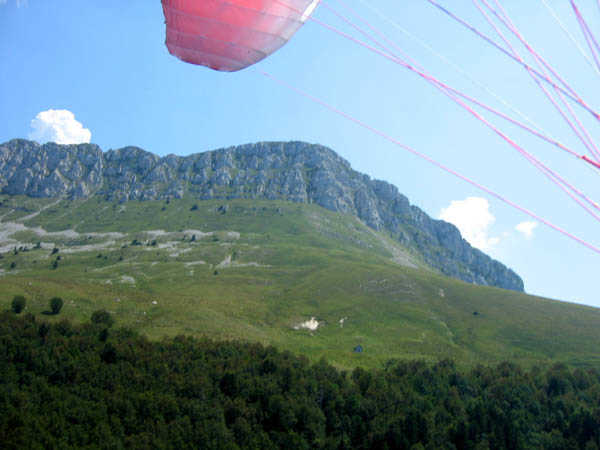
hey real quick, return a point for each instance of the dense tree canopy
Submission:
(86, 386)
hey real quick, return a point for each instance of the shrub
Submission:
(56, 304)
(18, 304)
(43, 329)
(102, 316)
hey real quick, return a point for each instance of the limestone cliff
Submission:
(293, 171)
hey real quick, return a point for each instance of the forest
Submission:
(98, 386)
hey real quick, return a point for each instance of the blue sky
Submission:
(107, 64)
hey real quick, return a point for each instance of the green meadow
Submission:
(259, 270)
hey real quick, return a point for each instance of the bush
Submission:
(56, 304)
(102, 317)
(18, 304)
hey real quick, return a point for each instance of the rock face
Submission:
(293, 171)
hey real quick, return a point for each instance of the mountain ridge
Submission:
(292, 171)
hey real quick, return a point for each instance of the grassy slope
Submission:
(289, 263)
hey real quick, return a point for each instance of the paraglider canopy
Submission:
(230, 35)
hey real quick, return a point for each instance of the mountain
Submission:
(142, 238)
(290, 171)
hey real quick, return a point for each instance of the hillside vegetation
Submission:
(94, 387)
(288, 171)
(259, 270)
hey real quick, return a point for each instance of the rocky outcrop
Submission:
(293, 171)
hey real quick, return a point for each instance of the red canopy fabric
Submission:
(230, 35)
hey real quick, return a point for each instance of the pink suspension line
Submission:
(594, 163)
(373, 29)
(511, 55)
(431, 161)
(583, 135)
(585, 139)
(570, 36)
(526, 119)
(431, 79)
(549, 173)
(455, 91)
(446, 90)
(505, 19)
(587, 34)
(584, 23)
(486, 38)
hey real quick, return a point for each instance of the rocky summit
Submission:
(291, 171)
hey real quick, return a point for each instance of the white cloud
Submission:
(473, 218)
(60, 126)
(527, 228)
